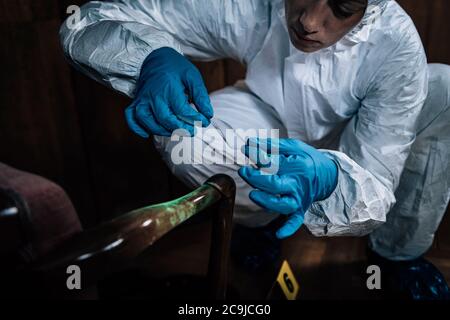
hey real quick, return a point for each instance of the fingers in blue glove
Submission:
(143, 130)
(272, 163)
(293, 224)
(164, 116)
(258, 156)
(183, 110)
(270, 183)
(283, 204)
(189, 115)
(198, 93)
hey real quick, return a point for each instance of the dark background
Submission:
(58, 123)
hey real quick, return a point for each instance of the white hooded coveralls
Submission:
(361, 100)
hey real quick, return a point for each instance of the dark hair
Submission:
(346, 8)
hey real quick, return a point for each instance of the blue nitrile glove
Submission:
(305, 175)
(168, 83)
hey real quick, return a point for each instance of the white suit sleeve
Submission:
(112, 39)
(375, 145)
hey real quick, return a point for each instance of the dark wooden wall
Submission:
(58, 123)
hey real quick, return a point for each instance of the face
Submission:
(313, 25)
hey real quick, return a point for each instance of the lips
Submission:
(303, 38)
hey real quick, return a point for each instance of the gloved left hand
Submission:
(170, 95)
(305, 175)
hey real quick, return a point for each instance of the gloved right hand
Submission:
(305, 175)
(167, 86)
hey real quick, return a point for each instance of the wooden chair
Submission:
(109, 248)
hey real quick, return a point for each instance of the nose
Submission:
(312, 19)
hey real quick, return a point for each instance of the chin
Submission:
(305, 49)
(302, 47)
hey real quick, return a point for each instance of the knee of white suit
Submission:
(439, 84)
(440, 73)
(438, 99)
(424, 190)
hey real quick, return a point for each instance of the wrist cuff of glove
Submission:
(328, 176)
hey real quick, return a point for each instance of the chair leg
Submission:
(221, 237)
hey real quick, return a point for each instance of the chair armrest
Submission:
(108, 248)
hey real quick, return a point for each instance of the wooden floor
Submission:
(332, 268)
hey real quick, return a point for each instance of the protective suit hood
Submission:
(361, 32)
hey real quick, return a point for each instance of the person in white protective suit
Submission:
(346, 83)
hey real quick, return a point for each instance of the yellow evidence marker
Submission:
(287, 282)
